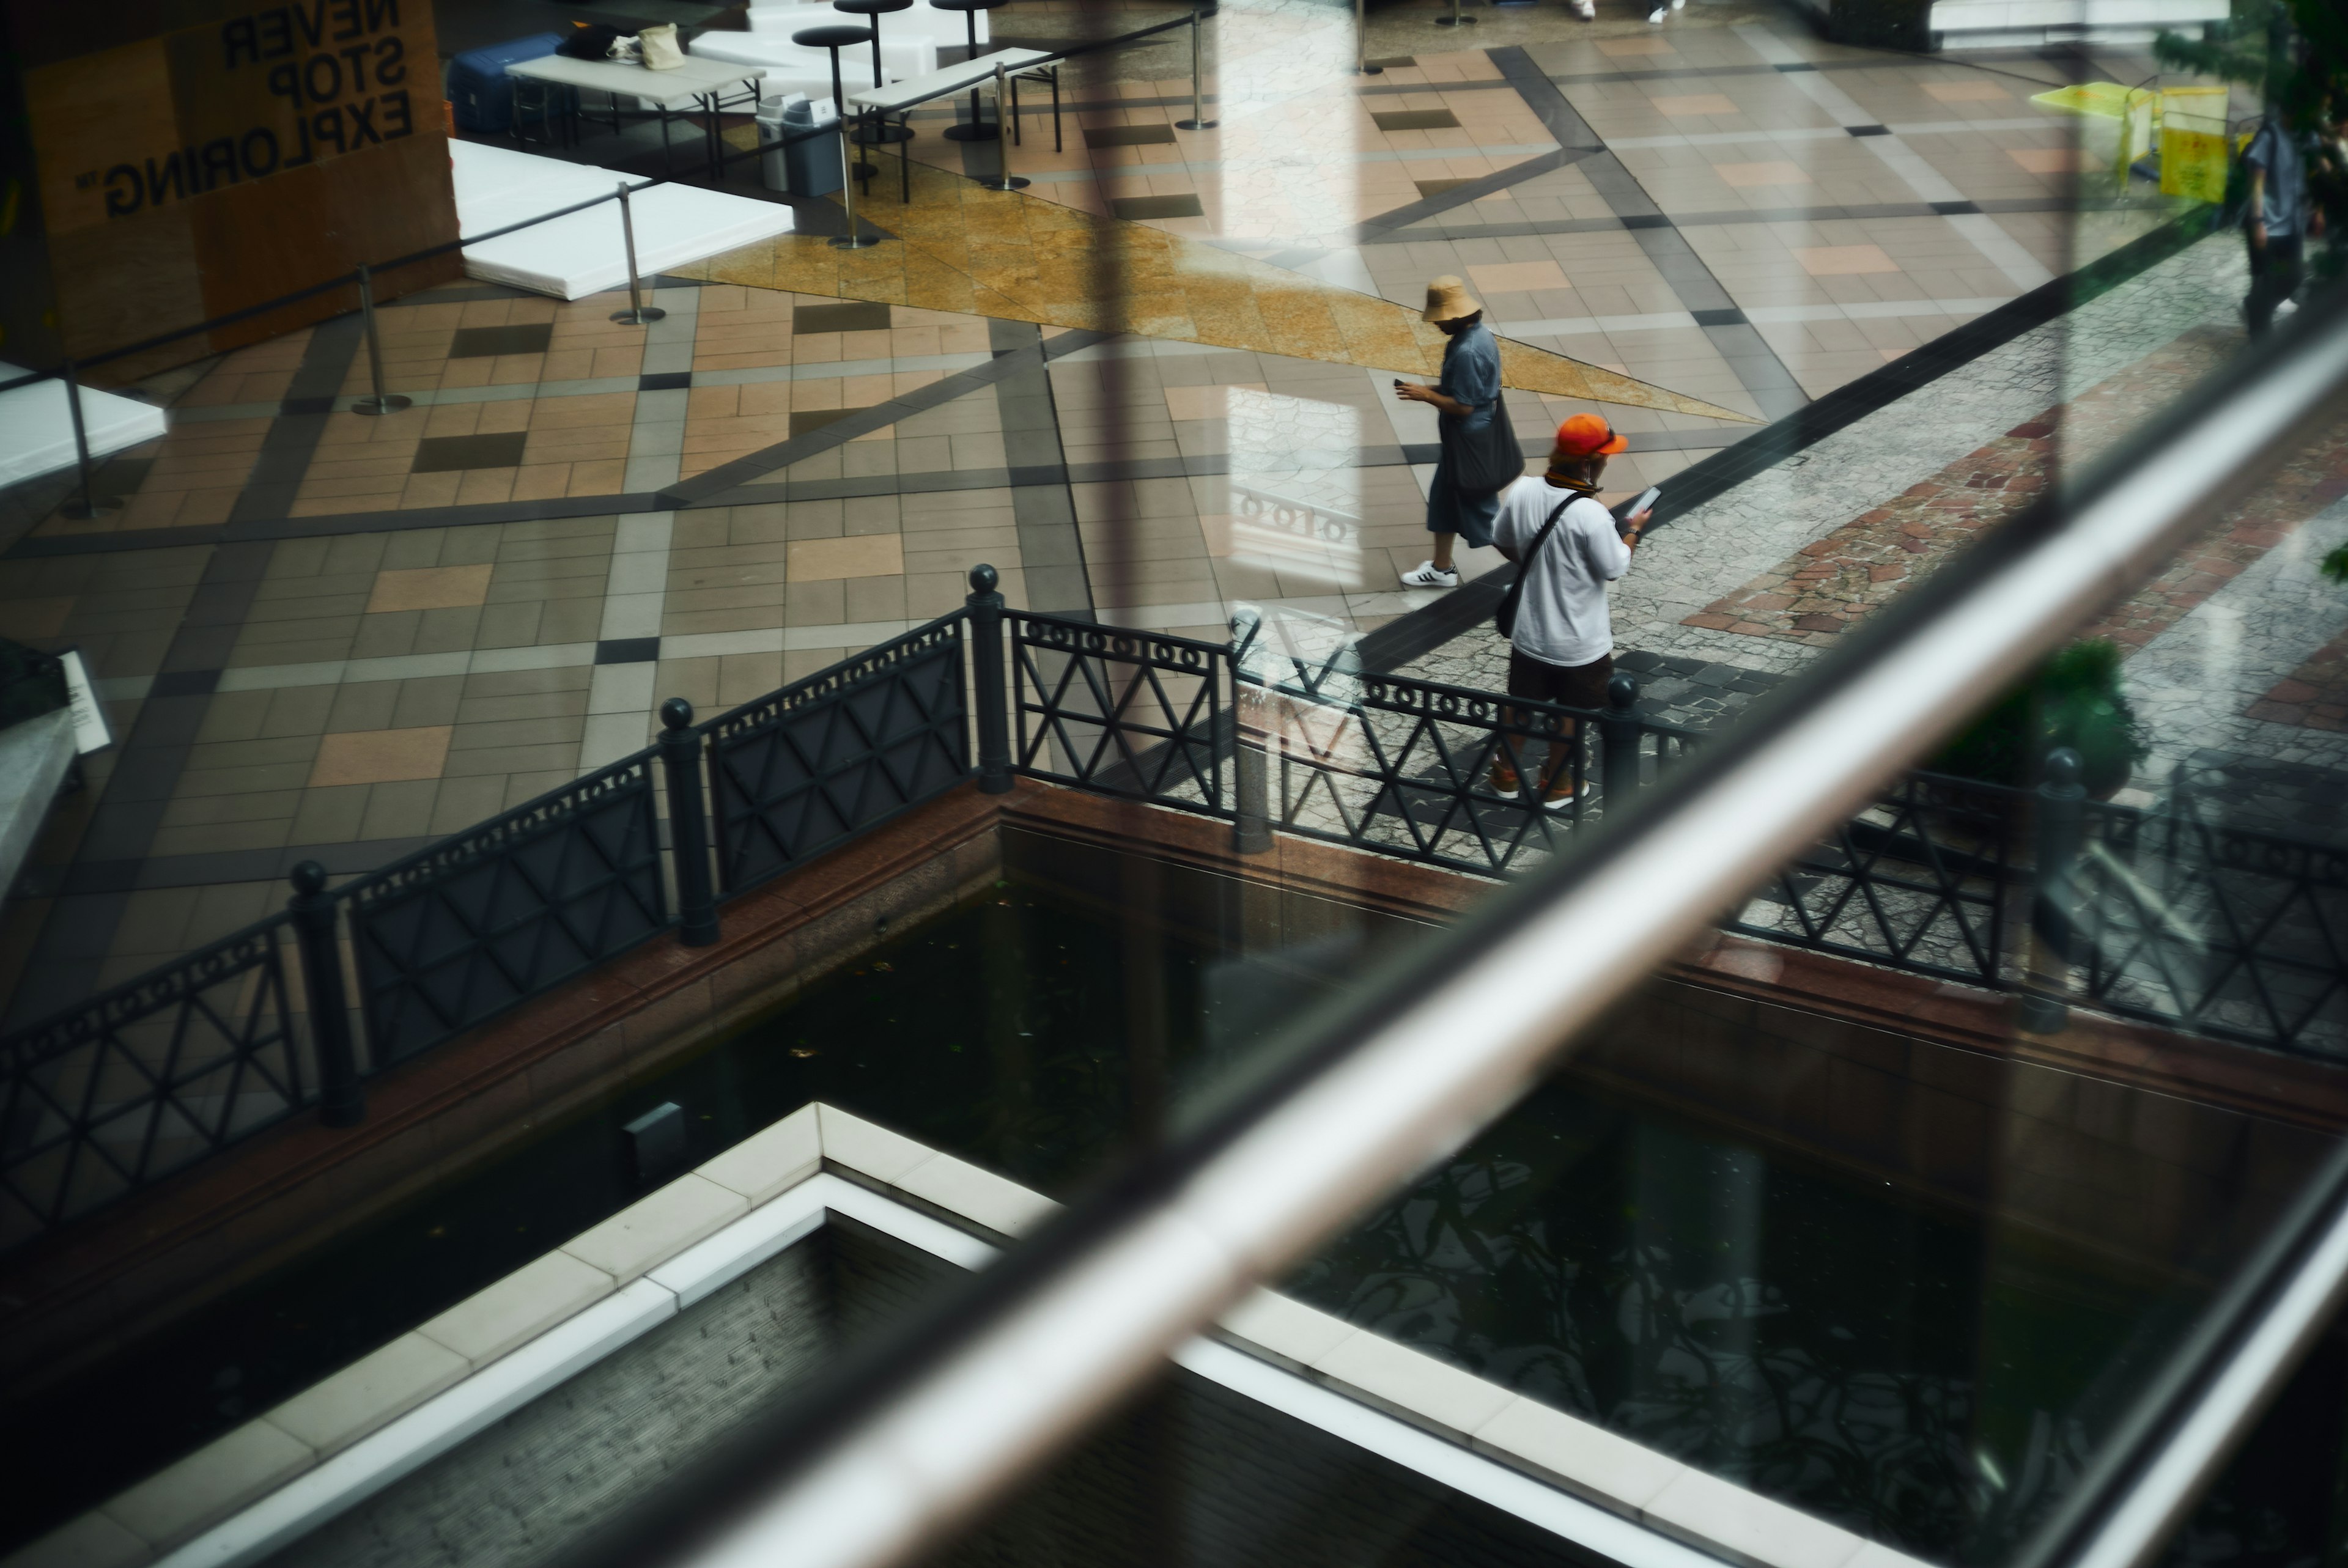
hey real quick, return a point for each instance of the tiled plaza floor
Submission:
(329, 636)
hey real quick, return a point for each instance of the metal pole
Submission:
(1454, 19)
(382, 402)
(852, 240)
(1004, 179)
(638, 313)
(987, 669)
(1198, 120)
(1618, 740)
(87, 506)
(342, 1098)
(1362, 65)
(688, 825)
(2060, 796)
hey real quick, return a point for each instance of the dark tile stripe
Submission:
(1042, 508)
(70, 952)
(1455, 231)
(87, 878)
(1756, 365)
(705, 489)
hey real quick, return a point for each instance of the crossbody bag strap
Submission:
(1505, 617)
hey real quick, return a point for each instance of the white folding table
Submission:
(901, 98)
(693, 83)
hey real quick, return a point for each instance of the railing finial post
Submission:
(2060, 800)
(688, 825)
(1618, 741)
(987, 669)
(342, 1097)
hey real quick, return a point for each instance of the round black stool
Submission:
(836, 37)
(977, 130)
(880, 130)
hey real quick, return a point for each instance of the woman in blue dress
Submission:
(1469, 390)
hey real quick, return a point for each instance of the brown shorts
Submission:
(1571, 686)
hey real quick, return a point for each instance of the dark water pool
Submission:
(1875, 1355)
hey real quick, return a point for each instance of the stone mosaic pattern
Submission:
(1835, 582)
(1720, 547)
(2315, 694)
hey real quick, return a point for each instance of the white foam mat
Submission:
(36, 427)
(583, 253)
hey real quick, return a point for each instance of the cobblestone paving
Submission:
(1835, 582)
(1724, 544)
(2315, 694)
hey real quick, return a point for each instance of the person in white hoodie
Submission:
(1562, 650)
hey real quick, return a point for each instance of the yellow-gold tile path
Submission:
(959, 246)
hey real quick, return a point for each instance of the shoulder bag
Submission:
(1482, 462)
(1505, 617)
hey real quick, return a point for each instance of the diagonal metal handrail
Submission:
(917, 1435)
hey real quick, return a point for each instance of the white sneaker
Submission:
(1586, 9)
(1429, 575)
(1656, 16)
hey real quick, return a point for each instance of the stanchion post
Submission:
(688, 825)
(1618, 741)
(1004, 179)
(342, 1097)
(986, 671)
(638, 313)
(2060, 801)
(1198, 120)
(1362, 65)
(853, 239)
(1454, 19)
(86, 505)
(382, 402)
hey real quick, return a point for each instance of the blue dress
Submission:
(1471, 374)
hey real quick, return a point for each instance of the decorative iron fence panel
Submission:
(796, 772)
(1918, 881)
(148, 1079)
(458, 933)
(1130, 714)
(1409, 768)
(2233, 933)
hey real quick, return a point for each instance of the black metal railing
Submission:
(2163, 916)
(148, 1079)
(814, 764)
(1132, 713)
(455, 935)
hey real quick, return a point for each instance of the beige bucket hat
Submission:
(1447, 300)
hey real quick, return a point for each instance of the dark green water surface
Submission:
(1877, 1356)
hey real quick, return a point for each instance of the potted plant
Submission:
(2072, 699)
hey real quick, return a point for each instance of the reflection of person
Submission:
(1563, 648)
(2274, 224)
(1467, 393)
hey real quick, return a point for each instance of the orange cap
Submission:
(1589, 436)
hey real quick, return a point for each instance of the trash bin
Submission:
(479, 88)
(807, 167)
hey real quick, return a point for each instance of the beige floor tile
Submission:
(865, 555)
(429, 587)
(1843, 261)
(381, 756)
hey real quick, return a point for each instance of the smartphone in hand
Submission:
(1646, 498)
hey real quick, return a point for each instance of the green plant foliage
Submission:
(2074, 700)
(2295, 52)
(2335, 565)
